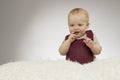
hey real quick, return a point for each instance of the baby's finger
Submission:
(86, 40)
(90, 42)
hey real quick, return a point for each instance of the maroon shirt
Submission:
(79, 52)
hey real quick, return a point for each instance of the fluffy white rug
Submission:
(108, 69)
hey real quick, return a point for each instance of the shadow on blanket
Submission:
(107, 69)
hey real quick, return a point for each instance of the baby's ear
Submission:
(87, 25)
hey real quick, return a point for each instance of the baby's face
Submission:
(78, 24)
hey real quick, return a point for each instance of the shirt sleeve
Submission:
(96, 40)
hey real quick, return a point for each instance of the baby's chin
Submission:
(79, 36)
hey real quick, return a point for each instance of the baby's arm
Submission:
(64, 47)
(93, 45)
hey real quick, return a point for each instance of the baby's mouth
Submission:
(76, 33)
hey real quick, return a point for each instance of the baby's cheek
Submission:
(71, 31)
(82, 31)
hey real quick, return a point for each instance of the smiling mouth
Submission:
(76, 32)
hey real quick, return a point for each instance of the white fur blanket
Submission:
(108, 69)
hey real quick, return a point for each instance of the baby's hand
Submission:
(72, 37)
(88, 42)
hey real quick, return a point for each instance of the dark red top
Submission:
(79, 52)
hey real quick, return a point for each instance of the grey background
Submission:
(34, 29)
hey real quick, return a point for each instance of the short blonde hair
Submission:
(79, 10)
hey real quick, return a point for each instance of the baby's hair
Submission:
(79, 10)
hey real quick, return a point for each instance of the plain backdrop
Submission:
(34, 29)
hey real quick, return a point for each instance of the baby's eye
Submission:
(71, 25)
(79, 24)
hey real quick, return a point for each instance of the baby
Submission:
(81, 45)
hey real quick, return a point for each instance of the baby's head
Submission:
(78, 21)
(83, 14)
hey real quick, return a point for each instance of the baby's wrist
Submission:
(92, 46)
(69, 40)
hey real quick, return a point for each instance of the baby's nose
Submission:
(76, 27)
